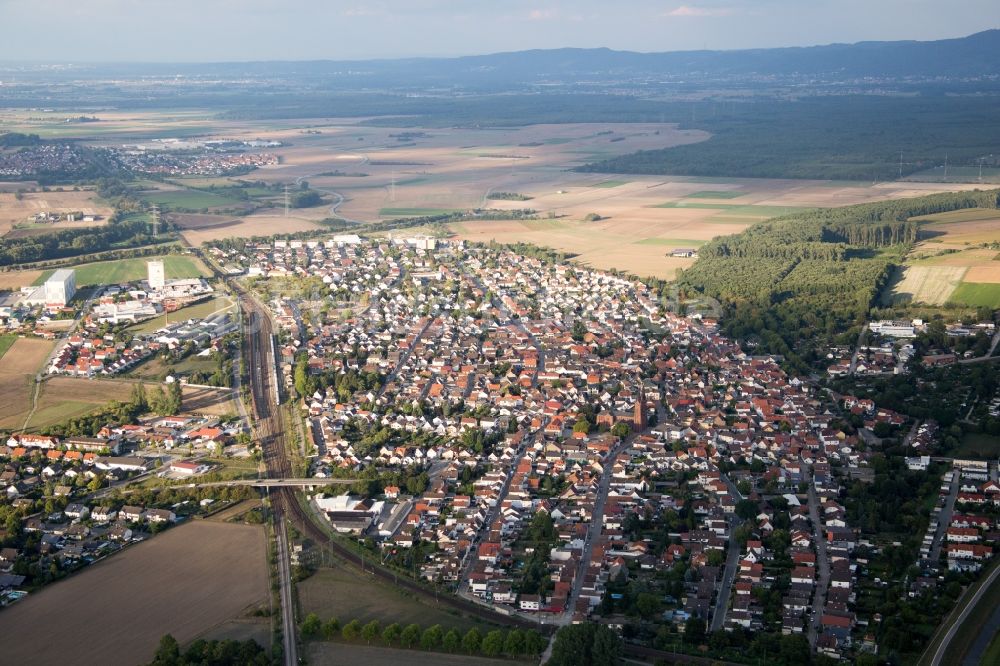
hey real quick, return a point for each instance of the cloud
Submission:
(688, 11)
(541, 14)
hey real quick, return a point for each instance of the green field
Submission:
(6, 341)
(130, 270)
(745, 210)
(715, 194)
(673, 242)
(965, 215)
(187, 199)
(415, 212)
(46, 417)
(611, 183)
(197, 311)
(976, 293)
(346, 595)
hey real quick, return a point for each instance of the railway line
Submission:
(270, 431)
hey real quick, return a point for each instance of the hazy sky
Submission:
(224, 30)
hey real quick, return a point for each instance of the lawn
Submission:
(131, 270)
(978, 445)
(611, 183)
(197, 311)
(415, 212)
(6, 341)
(716, 194)
(976, 293)
(992, 654)
(187, 199)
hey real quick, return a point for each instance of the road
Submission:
(944, 518)
(989, 355)
(270, 430)
(471, 554)
(732, 563)
(857, 348)
(822, 563)
(969, 605)
(594, 529)
(391, 377)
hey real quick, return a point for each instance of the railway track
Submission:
(270, 430)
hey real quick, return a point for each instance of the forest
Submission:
(866, 138)
(796, 284)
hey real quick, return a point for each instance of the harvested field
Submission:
(342, 654)
(984, 274)
(926, 284)
(261, 224)
(17, 368)
(14, 213)
(14, 280)
(62, 398)
(184, 582)
(197, 221)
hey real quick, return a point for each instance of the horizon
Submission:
(225, 31)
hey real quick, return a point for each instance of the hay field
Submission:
(184, 582)
(264, 223)
(16, 213)
(17, 368)
(932, 285)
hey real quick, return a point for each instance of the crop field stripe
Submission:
(716, 194)
(6, 342)
(976, 294)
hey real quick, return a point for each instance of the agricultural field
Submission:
(188, 199)
(932, 285)
(15, 214)
(6, 342)
(956, 262)
(129, 270)
(224, 573)
(18, 367)
(340, 592)
(976, 294)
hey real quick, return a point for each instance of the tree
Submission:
(606, 648)
(168, 652)
(534, 642)
(746, 509)
(513, 645)
(451, 641)
(370, 631)
(493, 643)
(620, 429)
(647, 604)
(311, 625)
(431, 637)
(330, 628)
(351, 630)
(410, 635)
(472, 640)
(585, 645)
(391, 633)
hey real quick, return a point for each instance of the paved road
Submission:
(944, 518)
(823, 563)
(969, 605)
(594, 530)
(732, 563)
(857, 348)
(391, 377)
(989, 355)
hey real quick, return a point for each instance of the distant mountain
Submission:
(966, 57)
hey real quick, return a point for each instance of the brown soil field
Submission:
(197, 221)
(17, 367)
(215, 402)
(184, 582)
(343, 654)
(259, 224)
(988, 274)
(14, 212)
(14, 280)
